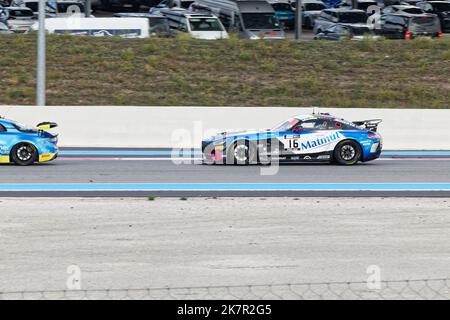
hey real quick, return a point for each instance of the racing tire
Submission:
(24, 154)
(242, 153)
(347, 153)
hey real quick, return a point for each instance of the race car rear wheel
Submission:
(242, 152)
(347, 152)
(24, 154)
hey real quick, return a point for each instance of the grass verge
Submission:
(160, 72)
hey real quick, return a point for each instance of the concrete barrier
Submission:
(147, 127)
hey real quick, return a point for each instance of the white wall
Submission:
(139, 127)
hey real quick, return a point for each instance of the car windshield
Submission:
(205, 24)
(260, 21)
(413, 10)
(353, 17)
(314, 7)
(365, 5)
(285, 125)
(186, 4)
(21, 13)
(441, 6)
(158, 24)
(424, 24)
(281, 7)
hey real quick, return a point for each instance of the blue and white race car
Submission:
(23, 145)
(306, 138)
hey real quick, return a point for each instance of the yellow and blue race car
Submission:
(24, 145)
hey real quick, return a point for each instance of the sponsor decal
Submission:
(311, 144)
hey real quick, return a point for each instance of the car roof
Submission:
(344, 9)
(403, 6)
(139, 14)
(17, 8)
(313, 1)
(304, 117)
(410, 15)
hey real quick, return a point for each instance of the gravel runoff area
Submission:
(141, 243)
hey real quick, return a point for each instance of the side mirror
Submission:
(46, 125)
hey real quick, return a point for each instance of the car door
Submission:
(394, 27)
(5, 144)
(331, 33)
(311, 136)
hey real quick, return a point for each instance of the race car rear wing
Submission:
(371, 125)
(46, 125)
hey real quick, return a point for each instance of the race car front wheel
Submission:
(24, 154)
(347, 152)
(242, 152)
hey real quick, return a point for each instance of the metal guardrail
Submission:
(423, 289)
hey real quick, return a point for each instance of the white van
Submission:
(199, 26)
(98, 27)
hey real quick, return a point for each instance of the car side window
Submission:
(2, 128)
(331, 29)
(341, 30)
(313, 124)
(395, 22)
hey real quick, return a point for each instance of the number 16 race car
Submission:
(23, 146)
(307, 138)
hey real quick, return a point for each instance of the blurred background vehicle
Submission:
(98, 27)
(402, 9)
(284, 12)
(158, 24)
(310, 11)
(441, 9)
(408, 26)
(199, 26)
(345, 32)
(329, 17)
(251, 19)
(360, 4)
(19, 19)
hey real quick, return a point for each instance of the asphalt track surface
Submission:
(125, 173)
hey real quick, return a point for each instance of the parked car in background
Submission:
(198, 25)
(19, 19)
(329, 17)
(441, 9)
(345, 32)
(361, 4)
(252, 19)
(310, 11)
(402, 9)
(158, 24)
(98, 27)
(60, 8)
(408, 26)
(185, 4)
(284, 12)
